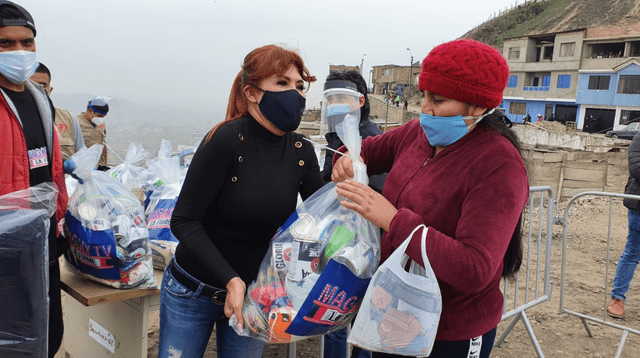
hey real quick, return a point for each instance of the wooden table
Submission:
(101, 321)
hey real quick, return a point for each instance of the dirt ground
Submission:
(585, 291)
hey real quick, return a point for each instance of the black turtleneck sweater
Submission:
(241, 186)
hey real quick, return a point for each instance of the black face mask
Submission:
(284, 109)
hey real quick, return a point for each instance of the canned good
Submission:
(100, 225)
(358, 259)
(305, 260)
(304, 228)
(87, 211)
(121, 225)
(281, 256)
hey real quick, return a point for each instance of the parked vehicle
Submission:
(624, 132)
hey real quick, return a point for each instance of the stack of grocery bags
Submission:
(117, 223)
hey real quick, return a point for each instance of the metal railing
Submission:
(583, 317)
(537, 230)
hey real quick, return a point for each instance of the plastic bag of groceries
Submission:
(401, 309)
(128, 173)
(315, 274)
(161, 204)
(153, 178)
(24, 270)
(107, 235)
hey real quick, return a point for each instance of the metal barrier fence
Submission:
(583, 317)
(537, 230)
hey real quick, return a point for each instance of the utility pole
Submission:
(361, 64)
(410, 72)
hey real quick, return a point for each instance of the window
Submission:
(629, 85)
(634, 49)
(567, 49)
(513, 81)
(564, 81)
(548, 53)
(627, 116)
(605, 50)
(514, 53)
(518, 108)
(599, 82)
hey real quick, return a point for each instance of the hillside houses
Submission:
(589, 75)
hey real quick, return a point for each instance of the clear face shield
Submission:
(337, 103)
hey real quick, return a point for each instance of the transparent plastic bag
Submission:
(128, 173)
(319, 263)
(24, 270)
(401, 310)
(107, 235)
(161, 203)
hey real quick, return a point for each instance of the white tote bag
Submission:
(400, 310)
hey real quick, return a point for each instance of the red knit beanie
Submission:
(465, 70)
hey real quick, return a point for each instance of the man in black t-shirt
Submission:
(29, 150)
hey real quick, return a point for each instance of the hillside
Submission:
(552, 16)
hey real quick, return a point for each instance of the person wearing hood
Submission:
(336, 95)
(29, 154)
(93, 129)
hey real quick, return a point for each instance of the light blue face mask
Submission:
(444, 131)
(18, 66)
(338, 108)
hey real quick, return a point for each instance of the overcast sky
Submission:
(187, 52)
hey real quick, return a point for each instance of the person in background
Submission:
(335, 343)
(631, 254)
(366, 127)
(457, 170)
(93, 129)
(70, 133)
(242, 184)
(29, 149)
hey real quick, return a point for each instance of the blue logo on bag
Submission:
(333, 301)
(159, 221)
(94, 252)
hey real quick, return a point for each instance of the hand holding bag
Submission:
(400, 310)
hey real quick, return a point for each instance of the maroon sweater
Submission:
(470, 196)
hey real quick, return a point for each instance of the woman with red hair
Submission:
(242, 184)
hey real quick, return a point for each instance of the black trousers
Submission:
(56, 327)
(455, 349)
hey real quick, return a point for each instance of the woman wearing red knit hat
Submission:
(457, 170)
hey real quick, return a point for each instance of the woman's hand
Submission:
(236, 289)
(366, 202)
(343, 169)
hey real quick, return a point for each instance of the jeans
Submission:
(335, 346)
(629, 258)
(186, 323)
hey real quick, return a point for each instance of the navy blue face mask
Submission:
(284, 109)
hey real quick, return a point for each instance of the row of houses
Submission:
(590, 76)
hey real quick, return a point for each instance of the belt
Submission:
(218, 296)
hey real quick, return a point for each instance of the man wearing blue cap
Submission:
(92, 125)
(29, 155)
